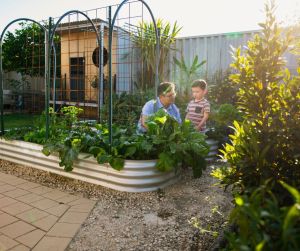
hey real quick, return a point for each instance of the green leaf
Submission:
(165, 162)
(290, 219)
(239, 200)
(293, 191)
(67, 156)
(46, 151)
(103, 158)
(130, 151)
(161, 120)
(260, 246)
(117, 163)
(95, 150)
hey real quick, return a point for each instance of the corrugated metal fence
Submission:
(216, 50)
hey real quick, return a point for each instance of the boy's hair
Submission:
(165, 87)
(201, 83)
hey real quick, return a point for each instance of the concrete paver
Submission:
(54, 195)
(28, 185)
(46, 223)
(16, 193)
(41, 190)
(16, 181)
(6, 219)
(16, 229)
(32, 215)
(32, 238)
(31, 197)
(6, 188)
(16, 208)
(35, 217)
(73, 217)
(6, 242)
(52, 243)
(5, 201)
(20, 248)
(58, 210)
(67, 199)
(44, 204)
(64, 230)
(82, 208)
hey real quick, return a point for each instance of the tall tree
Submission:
(23, 50)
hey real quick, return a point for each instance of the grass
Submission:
(19, 120)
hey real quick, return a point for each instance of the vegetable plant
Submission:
(167, 141)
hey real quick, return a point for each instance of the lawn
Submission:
(19, 120)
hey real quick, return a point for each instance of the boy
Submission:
(198, 109)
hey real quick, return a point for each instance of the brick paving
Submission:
(35, 217)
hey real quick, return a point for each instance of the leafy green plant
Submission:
(68, 144)
(175, 143)
(263, 224)
(220, 122)
(127, 107)
(166, 140)
(17, 133)
(188, 73)
(195, 222)
(266, 143)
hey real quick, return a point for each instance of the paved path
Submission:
(35, 217)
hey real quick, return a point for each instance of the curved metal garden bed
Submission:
(137, 175)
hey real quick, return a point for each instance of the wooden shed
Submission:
(79, 62)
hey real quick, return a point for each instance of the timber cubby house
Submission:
(78, 83)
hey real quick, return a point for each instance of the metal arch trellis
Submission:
(51, 38)
(111, 27)
(1, 66)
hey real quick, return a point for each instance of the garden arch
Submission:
(51, 38)
(1, 66)
(111, 27)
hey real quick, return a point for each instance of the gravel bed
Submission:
(160, 220)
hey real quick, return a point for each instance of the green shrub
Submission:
(127, 107)
(220, 122)
(266, 144)
(263, 224)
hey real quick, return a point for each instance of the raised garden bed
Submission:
(137, 175)
(213, 149)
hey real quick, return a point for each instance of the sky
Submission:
(196, 17)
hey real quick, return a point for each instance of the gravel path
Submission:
(144, 221)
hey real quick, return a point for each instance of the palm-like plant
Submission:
(145, 40)
(187, 73)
